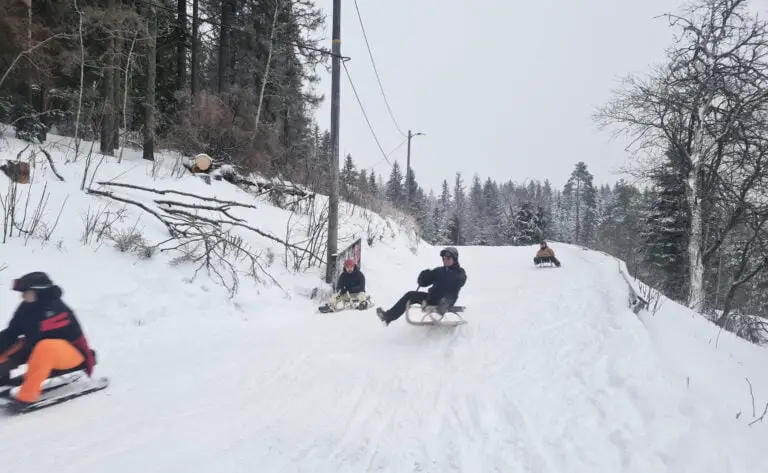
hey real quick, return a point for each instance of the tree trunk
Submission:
(696, 290)
(149, 103)
(116, 95)
(107, 132)
(225, 45)
(195, 66)
(181, 44)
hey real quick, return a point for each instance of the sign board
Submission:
(353, 251)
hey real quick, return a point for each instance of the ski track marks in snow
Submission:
(553, 373)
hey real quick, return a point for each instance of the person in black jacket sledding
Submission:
(44, 334)
(350, 288)
(446, 282)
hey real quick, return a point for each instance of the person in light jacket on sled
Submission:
(44, 334)
(350, 288)
(545, 255)
(446, 282)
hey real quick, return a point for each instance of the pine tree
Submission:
(373, 187)
(414, 199)
(426, 217)
(580, 198)
(362, 182)
(526, 227)
(492, 218)
(476, 222)
(457, 225)
(441, 215)
(620, 224)
(348, 177)
(667, 229)
(395, 191)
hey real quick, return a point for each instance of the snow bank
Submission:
(710, 361)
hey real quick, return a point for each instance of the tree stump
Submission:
(17, 171)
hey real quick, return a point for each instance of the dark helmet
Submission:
(37, 280)
(450, 251)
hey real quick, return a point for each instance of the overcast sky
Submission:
(500, 88)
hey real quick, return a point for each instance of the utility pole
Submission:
(333, 201)
(408, 170)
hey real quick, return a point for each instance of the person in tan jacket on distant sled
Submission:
(545, 255)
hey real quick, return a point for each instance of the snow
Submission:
(553, 373)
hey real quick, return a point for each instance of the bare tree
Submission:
(714, 78)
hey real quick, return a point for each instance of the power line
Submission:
(388, 154)
(328, 53)
(375, 70)
(365, 115)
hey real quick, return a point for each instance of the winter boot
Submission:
(442, 306)
(382, 315)
(14, 406)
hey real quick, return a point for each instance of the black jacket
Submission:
(47, 318)
(446, 283)
(352, 283)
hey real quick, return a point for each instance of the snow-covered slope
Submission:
(553, 373)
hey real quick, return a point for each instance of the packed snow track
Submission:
(553, 373)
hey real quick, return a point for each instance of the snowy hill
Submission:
(553, 373)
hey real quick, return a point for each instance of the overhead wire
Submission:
(375, 69)
(365, 115)
(385, 156)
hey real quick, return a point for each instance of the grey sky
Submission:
(502, 89)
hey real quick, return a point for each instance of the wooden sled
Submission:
(351, 304)
(430, 316)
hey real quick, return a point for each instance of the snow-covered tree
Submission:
(457, 223)
(666, 231)
(395, 190)
(580, 209)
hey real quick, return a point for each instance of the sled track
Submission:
(552, 373)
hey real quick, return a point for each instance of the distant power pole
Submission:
(333, 201)
(408, 170)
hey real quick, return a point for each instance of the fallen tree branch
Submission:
(204, 240)
(243, 225)
(53, 167)
(185, 194)
(112, 196)
(222, 208)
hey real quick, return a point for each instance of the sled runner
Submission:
(346, 304)
(545, 264)
(56, 390)
(430, 316)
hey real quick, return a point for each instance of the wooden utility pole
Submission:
(408, 170)
(333, 201)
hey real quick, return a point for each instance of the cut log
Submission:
(17, 171)
(199, 164)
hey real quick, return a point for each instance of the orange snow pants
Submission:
(47, 355)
